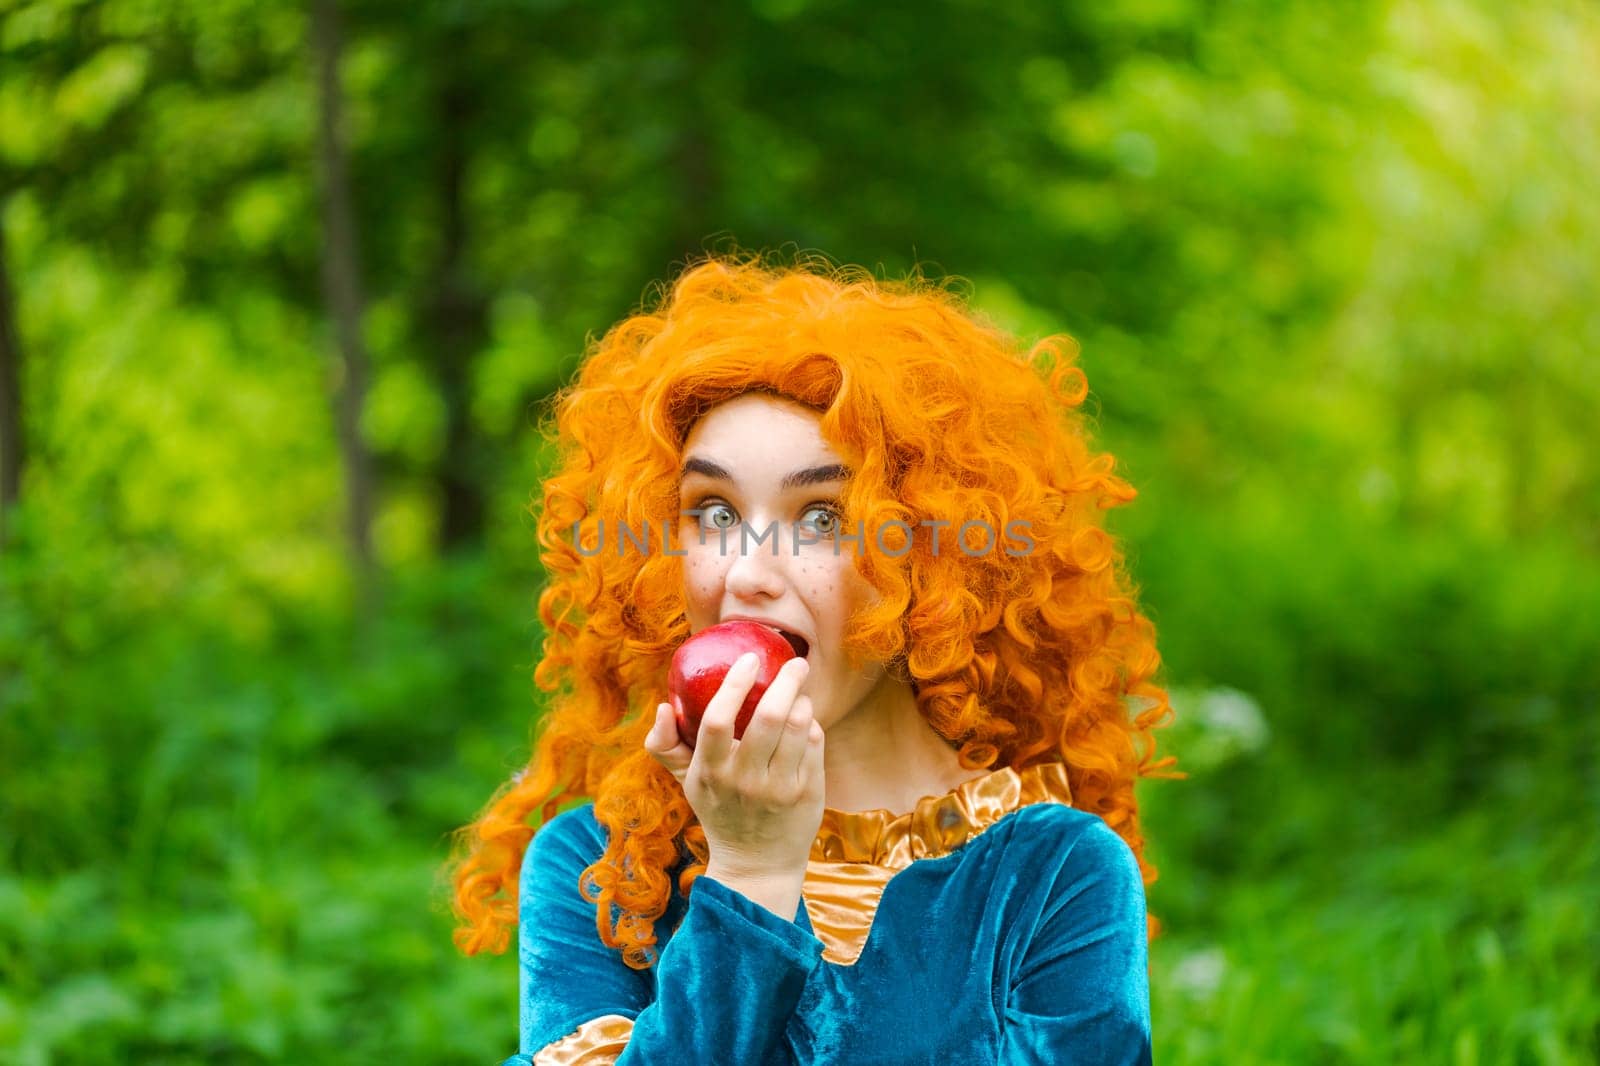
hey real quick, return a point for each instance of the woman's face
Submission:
(749, 463)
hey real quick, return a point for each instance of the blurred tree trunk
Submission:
(341, 280)
(11, 454)
(456, 316)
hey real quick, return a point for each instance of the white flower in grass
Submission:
(1199, 974)
(1216, 725)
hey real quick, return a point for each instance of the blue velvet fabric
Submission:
(1025, 945)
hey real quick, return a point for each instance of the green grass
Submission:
(1373, 923)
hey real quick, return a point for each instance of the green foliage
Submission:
(228, 846)
(1364, 923)
(1331, 270)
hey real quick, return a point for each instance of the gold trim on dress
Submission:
(856, 852)
(591, 1044)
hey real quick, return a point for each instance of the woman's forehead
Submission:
(757, 440)
(734, 424)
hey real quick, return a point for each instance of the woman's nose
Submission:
(757, 566)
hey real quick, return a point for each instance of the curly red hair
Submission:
(1016, 659)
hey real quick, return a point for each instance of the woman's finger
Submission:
(666, 746)
(811, 764)
(790, 751)
(715, 743)
(766, 729)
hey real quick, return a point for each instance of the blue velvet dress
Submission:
(993, 924)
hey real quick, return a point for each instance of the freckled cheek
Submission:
(828, 592)
(812, 578)
(702, 578)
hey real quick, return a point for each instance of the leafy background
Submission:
(1333, 272)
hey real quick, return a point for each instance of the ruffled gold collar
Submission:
(939, 824)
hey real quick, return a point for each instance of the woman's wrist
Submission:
(777, 891)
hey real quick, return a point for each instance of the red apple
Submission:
(702, 661)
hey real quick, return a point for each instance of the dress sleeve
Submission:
(1082, 991)
(722, 990)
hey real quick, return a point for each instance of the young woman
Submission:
(925, 847)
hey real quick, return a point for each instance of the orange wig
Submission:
(1016, 657)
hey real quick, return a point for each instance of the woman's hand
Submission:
(759, 799)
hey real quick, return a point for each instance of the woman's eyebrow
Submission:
(815, 475)
(696, 465)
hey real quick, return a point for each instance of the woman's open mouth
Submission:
(800, 645)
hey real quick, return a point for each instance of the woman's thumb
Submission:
(664, 743)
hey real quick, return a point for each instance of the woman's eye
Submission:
(718, 516)
(826, 521)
